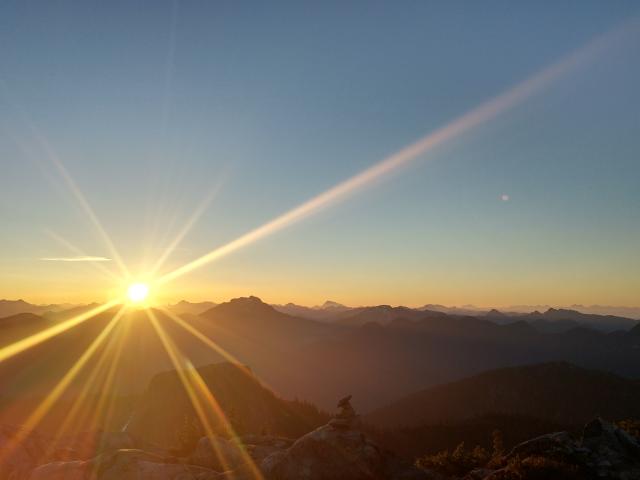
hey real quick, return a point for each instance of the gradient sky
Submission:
(152, 105)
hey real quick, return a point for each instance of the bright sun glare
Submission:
(137, 292)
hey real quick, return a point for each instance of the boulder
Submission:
(86, 445)
(558, 445)
(218, 454)
(605, 451)
(260, 447)
(139, 465)
(19, 457)
(74, 470)
(613, 453)
(266, 440)
(478, 474)
(338, 450)
(328, 453)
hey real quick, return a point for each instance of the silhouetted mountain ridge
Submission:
(558, 392)
(248, 404)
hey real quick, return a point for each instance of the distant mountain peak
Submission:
(253, 300)
(332, 304)
(19, 301)
(244, 307)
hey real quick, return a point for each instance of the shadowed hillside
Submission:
(554, 392)
(249, 406)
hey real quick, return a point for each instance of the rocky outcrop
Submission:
(611, 452)
(260, 447)
(604, 451)
(328, 453)
(557, 445)
(87, 445)
(72, 470)
(120, 465)
(218, 454)
(337, 450)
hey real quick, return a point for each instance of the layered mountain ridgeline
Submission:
(327, 312)
(190, 308)
(14, 307)
(602, 318)
(303, 358)
(551, 320)
(379, 363)
(249, 406)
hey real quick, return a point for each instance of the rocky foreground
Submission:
(338, 450)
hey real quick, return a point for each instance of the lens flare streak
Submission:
(115, 342)
(185, 369)
(480, 115)
(35, 339)
(43, 408)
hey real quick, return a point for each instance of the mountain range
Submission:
(377, 353)
(597, 317)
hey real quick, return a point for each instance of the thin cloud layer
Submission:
(76, 259)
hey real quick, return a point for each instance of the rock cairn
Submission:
(346, 417)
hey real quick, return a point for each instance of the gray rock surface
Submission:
(328, 453)
(218, 454)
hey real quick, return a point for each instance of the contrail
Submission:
(80, 254)
(485, 112)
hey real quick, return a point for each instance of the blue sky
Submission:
(151, 105)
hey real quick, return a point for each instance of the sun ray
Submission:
(180, 365)
(115, 343)
(190, 378)
(473, 118)
(37, 338)
(193, 219)
(204, 339)
(75, 190)
(43, 407)
(211, 344)
(111, 374)
(213, 404)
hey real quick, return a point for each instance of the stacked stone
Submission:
(347, 416)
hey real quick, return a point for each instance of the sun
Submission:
(137, 292)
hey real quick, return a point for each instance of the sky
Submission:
(154, 107)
